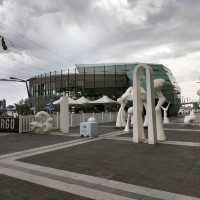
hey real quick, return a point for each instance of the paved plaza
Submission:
(107, 167)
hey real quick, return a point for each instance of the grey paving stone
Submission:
(182, 126)
(83, 183)
(14, 189)
(183, 136)
(187, 136)
(166, 167)
(18, 142)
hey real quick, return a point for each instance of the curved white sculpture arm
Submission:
(130, 114)
(121, 116)
(166, 119)
(145, 124)
(161, 100)
(128, 95)
(158, 85)
(165, 109)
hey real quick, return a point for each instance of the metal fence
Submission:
(74, 119)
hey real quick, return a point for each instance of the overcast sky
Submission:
(47, 35)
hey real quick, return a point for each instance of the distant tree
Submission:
(40, 103)
(22, 107)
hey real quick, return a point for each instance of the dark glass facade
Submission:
(95, 80)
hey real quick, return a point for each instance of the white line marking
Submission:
(182, 143)
(141, 190)
(57, 146)
(62, 186)
(179, 143)
(184, 130)
(76, 189)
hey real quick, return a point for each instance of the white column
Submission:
(64, 114)
(138, 130)
(159, 122)
(152, 135)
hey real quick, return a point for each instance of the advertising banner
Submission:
(9, 124)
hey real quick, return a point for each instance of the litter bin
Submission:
(89, 128)
(83, 129)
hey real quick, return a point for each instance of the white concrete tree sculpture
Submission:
(153, 117)
(158, 85)
(128, 120)
(121, 115)
(138, 129)
(128, 95)
(165, 119)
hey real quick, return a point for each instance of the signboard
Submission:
(9, 124)
(50, 107)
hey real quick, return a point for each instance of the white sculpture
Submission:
(138, 130)
(130, 114)
(198, 94)
(189, 119)
(153, 117)
(165, 119)
(145, 124)
(64, 113)
(158, 85)
(121, 115)
(129, 95)
(43, 122)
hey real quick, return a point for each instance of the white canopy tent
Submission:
(71, 101)
(103, 100)
(82, 100)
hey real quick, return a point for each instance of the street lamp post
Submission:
(15, 79)
(23, 81)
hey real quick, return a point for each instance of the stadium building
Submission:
(95, 80)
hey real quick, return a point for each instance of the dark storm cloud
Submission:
(172, 24)
(169, 25)
(45, 35)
